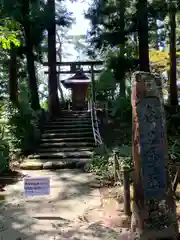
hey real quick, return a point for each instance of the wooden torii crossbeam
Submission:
(73, 66)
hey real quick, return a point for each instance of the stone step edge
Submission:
(46, 155)
(75, 115)
(68, 125)
(79, 119)
(66, 144)
(70, 122)
(67, 130)
(50, 165)
(64, 149)
(79, 139)
(70, 132)
(66, 134)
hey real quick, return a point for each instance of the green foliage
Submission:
(103, 161)
(21, 123)
(100, 162)
(4, 150)
(120, 65)
(7, 37)
(121, 109)
(105, 86)
(108, 78)
(174, 150)
(21, 127)
(44, 104)
(9, 33)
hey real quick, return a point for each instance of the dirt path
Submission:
(74, 210)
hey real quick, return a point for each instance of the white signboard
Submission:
(36, 186)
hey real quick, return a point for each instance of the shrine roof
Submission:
(78, 77)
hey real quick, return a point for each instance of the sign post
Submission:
(38, 186)
(154, 211)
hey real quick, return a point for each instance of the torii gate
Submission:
(75, 66)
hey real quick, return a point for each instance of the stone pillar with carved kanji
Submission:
(153, 210)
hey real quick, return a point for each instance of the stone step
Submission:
(67, 140)
(62, 150)
(76, 115)
(69, 163)
(69, 123)
(67, 126)
(67, 130)
(71, 120)
(75, 112)
(67, 134)
(66, 144)
(48, 155)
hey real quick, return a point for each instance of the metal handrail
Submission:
(95, 126)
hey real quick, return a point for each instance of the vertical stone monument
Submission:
(153, 211)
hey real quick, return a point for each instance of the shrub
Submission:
(23, 125)
(103, 161)
(4, 150)
(122, 109)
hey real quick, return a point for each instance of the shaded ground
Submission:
(75, 210)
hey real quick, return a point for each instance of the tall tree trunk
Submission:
(136, 44)
(122, 45)
(123, 87)
(32, 80)
(142, 15)
(172, 50)
(53, 100)
(13, 80)
(168, 89)
(59, 86)
(59, 69)
(156, 35)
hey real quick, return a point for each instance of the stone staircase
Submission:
(67, 142)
